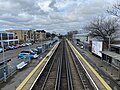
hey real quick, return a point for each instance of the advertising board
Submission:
(97, 47)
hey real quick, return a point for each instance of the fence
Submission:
(8, 67)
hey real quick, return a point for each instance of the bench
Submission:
(21, 65)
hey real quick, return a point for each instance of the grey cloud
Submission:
(52, 15)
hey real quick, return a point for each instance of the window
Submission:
(0, 44)
(5, 44)
(11, 43)
(16, 42)
(0, 36)
(10, 36)
(16, 37)
(4, 36)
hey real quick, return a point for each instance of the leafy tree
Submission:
(48, 35)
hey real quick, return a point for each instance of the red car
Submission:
(17, 45)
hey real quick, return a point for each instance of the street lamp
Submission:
(3, 50)
(4, 62)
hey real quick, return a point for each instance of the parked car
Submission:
(28, 44)
(36, 51)
(20, 45)
(11, 47)
(23, 45)
(6, 48)
(27, 53)
(39, 49)
(17, 45)
(1, 50)
(14, 46)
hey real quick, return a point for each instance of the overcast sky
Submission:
(52, 15)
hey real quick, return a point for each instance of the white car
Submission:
(35, 56)
(1, 50)
(23, 45)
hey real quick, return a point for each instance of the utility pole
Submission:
(4, 59)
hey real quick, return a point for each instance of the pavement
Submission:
(109, 73)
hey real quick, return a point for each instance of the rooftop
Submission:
(112, 54)
(116, 45)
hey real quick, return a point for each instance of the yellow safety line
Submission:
(32, 72)
(93, 70)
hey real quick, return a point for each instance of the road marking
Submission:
(34, 70)
(93, 70)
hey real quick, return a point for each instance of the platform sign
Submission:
(97, 47)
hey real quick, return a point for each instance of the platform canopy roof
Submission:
(115, 45)
(112, 54)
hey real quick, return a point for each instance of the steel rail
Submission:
(50, 69)
(43, 86)
(44, 67)
(68, 70)
(58, 79)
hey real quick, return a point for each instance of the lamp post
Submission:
(4, 62)
(3, 50)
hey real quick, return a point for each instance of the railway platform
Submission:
(34, 74)
(68, 70)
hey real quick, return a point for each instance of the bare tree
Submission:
(115, 10)
(103, 28)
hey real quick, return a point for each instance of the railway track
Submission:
(80, 78)
(62, 72)
(48, 77)
(64, 68)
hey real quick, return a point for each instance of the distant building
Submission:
(81, 37)
(41, 35)
(20, 34)
(7, 38)
(29, 35)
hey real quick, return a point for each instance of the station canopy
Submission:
(112, 54)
